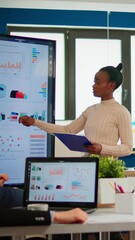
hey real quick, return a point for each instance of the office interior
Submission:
(109, 22)
(105, 24)
(101, 25)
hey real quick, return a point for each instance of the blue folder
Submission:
(74, 142)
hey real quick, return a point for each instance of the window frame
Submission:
(70, 35)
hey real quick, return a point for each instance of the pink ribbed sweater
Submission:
(106, 123)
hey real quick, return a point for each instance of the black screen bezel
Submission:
(56, 205)
(51, 88)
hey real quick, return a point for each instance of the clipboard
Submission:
(74, 142)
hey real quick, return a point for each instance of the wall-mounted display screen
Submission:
(27, 87)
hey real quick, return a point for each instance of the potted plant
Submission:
(109, 167)
(111, 172)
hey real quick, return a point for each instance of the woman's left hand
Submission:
(95, 148)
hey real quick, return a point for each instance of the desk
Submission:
(102, 220)
(130, 172)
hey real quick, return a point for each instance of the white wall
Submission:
(60, 149)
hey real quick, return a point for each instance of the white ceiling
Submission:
(100, 1)
(105, 5)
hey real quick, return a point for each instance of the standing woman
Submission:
(107, 124)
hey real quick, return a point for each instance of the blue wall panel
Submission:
(129, 160)
(51, 17)
(65, 17)
(122, 19)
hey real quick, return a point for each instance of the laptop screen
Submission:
(62, 182)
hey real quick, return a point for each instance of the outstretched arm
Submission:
(17, 217)
(74, 127)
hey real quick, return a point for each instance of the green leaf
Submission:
(110, 167)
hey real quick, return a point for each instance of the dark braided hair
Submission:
(114, 74)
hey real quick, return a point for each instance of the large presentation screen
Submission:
(27, 87)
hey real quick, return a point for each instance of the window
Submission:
(133, 77)
(94, 47)
(91, 55)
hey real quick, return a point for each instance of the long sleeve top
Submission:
(23, 217)
(107, 123)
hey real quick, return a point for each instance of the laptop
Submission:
(62, 183)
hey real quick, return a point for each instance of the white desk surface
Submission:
(102, 220)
